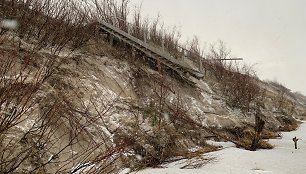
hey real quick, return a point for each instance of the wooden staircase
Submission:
(159, 55)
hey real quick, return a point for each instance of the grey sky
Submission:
(268, 33)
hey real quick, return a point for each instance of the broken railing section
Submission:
(186, 53)
(158, 55)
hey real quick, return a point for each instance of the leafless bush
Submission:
(237, 83)
(46, 130)
(163, 130)
(19, 85)
(195, 50)
(57, 141)
(171, 40)
(49, 24)
(56, 24)
(112, 12)
(118, 13)
(284, 100)
(16, 86)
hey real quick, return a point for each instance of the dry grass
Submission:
(61, 25)
(245, 136)
(55, 26)
(169, 137)
(247, 143)
(263, 144)
(288, 128)
(288, 124)
(48, 24)
(268, 134)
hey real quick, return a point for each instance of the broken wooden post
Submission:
(111, 40)
(259, 126)
(295, 140)
(163, 44)
(200, 62)
(183, 55)
(128, 28)
(133, 52)
(144, 37)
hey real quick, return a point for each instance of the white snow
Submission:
(125, 171)
(207, 97)
(283, 159)
(26, 125)
(204, 86)
(9, 24)
(82, 168)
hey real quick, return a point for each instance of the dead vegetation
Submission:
(245, 136)
(44, 132)
(44, 25)
(48, 24)
(284, 100)
(161, 131)
(40, 132)
(238, 83)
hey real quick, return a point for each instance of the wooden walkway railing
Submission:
(159, 55)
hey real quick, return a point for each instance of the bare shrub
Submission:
(44, 129)
(284, 100)
(19, 85)
(155, 33)
(49, 24)
(288, 123)
(195, 51)
(161, 132)
(237, 83)
(245, 136)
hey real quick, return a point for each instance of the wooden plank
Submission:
(149, 50)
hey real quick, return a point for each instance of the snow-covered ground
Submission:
(283, 159)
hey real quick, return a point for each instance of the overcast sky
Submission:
(268, 33)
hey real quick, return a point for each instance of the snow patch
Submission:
(283, 159)
(9, 24)
(125, 171)
(207, 97)
(28, 124)
(82, 168)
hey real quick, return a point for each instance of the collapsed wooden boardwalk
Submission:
(159, 55)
